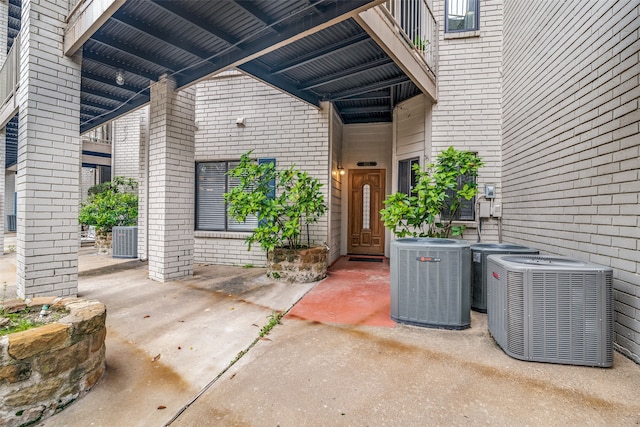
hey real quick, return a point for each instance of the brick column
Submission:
(143, 185)
(4, 16)
(48, 180)
(171, 181)
(3, 148)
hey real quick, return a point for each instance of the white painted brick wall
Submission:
(571, 139)
(171, 182)
(468, 112)
(3, 192)
(126, 144)
(276, 125)
(48, 180)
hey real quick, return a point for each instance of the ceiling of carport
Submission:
(193, 39)
(190, 40)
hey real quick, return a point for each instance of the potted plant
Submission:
(429, 210)
(285, 202)
(110, 204)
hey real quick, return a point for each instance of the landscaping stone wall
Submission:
(42, 370)
(298, 265)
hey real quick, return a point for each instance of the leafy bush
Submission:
(111, 204)
(283, 201)
(437, 192)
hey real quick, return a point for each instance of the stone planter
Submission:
(103, 242)
(44, 369)
(298, 265)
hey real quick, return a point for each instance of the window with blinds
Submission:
(211, 211)
(466, 211)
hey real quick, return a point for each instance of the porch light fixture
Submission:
(119, 77)
(341, 170)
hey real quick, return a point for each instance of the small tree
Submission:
(436, 198)
(111, 204)
(284, 201)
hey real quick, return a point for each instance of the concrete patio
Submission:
(170, 345)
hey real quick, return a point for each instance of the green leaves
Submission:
(436, 197)
(111, 204)
(283, 211)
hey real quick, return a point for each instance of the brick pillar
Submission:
(48, 180)
(143, 185)
(171, 181)
(3, 147)
(4, 16)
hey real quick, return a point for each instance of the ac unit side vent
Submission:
(556, 309)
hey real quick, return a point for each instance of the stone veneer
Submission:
(42, 370)
(298, 265)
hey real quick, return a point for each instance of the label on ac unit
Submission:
(477, 257)
(427, 259)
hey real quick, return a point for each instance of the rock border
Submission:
(44, 369)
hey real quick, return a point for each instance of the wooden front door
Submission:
(366, 193)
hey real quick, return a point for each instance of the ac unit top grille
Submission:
(547, 263)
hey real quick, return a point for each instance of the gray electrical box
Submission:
(490, 191)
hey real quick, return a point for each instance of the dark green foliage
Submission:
(111, 204)
(297, 202)
(436, 192)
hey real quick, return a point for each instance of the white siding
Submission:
(571, 144)
(337, 189)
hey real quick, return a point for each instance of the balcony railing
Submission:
(417, 25)
(9, 72)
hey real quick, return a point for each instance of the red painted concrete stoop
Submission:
(354, 293)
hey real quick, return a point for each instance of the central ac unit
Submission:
(430, 282)
(551, 309)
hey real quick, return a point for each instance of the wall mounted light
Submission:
(341, 170)
(119, 77)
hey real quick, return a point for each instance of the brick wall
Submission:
(126, 144)
(171, 181)
(48, 180)
(276, 125)
(468, 112)
(571, 145)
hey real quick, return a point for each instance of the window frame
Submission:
(476, 19)
(406, 175)
(465, 205)
(227, 186)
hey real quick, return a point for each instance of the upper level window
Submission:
(461, 15)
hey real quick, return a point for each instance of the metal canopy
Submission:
(190, 40)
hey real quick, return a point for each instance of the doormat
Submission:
(365, 259)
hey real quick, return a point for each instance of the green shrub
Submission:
(437, 192)
(111, 204)
(284, 201)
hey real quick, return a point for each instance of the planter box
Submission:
(298, 265)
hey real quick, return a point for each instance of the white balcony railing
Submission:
(418, 26)
(10, 72)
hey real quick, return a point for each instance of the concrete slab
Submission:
(313, 374)
(170, 346)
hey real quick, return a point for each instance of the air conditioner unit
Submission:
(430, 282)
(554, 309)
(124, 242)
(479, 254)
